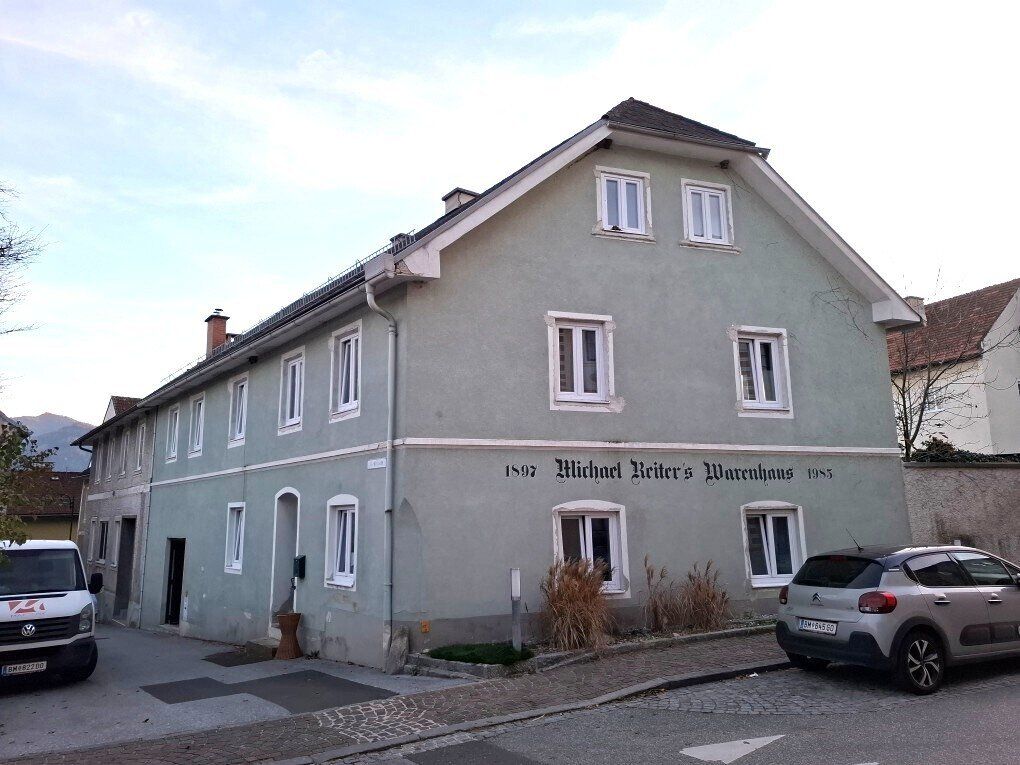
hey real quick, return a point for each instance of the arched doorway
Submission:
(285, 545)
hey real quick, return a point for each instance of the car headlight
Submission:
(85, 619)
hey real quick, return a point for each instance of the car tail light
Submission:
(784, 595)
(876, 603)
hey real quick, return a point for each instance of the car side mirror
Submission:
(96, 583)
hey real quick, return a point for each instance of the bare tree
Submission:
(937, 367)
(18, 248)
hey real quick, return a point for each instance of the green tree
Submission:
(25, 474)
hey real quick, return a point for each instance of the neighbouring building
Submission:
(966, 356)
(54, 502)
(111, 528)
(637, 344)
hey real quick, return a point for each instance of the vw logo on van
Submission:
(28, 630)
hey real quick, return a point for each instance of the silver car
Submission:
(910, 610)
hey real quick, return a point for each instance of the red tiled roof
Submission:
(58, 493)
(122, 403)
(954, 329)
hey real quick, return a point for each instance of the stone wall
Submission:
(978, 503)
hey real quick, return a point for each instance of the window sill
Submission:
(627, 235)
(285, 429)
(613, 405)
(729, 249)
(781, 413)
(235, 442)
(231, 570)
(347, 414)
(770, 582)
(340, 584)
(196, 453)
(171, 459)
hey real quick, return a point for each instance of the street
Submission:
(844, 716)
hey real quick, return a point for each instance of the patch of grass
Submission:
(482, 653)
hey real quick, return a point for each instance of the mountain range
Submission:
(57, 431)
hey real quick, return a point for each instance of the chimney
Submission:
(215, 331)
(458, 197)
(917, 303)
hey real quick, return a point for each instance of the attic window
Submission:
(623, 203)
(708, 218)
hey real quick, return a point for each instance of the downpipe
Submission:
(391, 398)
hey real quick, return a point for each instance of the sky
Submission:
(179, 157)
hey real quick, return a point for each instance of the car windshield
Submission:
(840, 572)
(31, 572)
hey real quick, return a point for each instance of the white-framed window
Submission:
(93, 539)
(624, 203)
(109, 445)
(707, 214)
(173, 422)
(235, 538)
(581, 374)
(104, 539)
(125, 439)
(345, 381)
(238, 420)
(774, 543)
(594, 530)
(292, 390)
(762, 366)
(114, 542)
(97, 467)
(341, 541)
(140, 445)
(196, 425)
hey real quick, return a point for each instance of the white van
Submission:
(47, 612)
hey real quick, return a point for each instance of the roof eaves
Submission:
(721, 144)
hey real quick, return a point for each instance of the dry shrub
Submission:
(661, 609)
(576, 612)
(704, 605)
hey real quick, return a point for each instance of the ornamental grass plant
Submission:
(576, 614)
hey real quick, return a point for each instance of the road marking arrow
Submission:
(729, 751)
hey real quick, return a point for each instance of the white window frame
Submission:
(783, 407)
(341, 503)
(97, 452)
(93, 527)
(125, 438)
(798, 551)
(291, 424)
(235, 538)
(173, 428)
(235, 434)
(109, 457)
(195, 445)
(619, 585)
(605, 400)
(338, 411)
(115, 539)
(687, 186)
(644, 181)
(104, 541)
(140, 445)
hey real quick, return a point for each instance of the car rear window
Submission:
(840, 572)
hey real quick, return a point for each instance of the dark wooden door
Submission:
(175, 581)
(125, 566)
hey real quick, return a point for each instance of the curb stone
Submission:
(657, 684)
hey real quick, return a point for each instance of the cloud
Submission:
(599, 23)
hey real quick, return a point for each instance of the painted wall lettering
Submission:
(716, 472)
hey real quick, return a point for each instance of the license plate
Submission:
(23, 669)
(814, 625)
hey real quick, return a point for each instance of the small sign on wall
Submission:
(377, 463)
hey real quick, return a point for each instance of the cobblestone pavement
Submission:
(417, 713)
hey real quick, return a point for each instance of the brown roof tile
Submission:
(644, 115)
(56, 493)
(954, 329)
(122, 403)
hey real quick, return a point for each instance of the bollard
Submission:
(515, 607)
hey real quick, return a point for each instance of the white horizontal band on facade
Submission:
(136, 489)
(542, 445)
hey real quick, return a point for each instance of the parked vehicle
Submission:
(47, 613)
(910, 610)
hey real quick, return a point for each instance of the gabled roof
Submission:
(631, 122)
(643, 115)
(121, 404)
(53, 494)
(954, 330)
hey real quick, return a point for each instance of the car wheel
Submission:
(807, 663)
(84, 672)
(921, 663)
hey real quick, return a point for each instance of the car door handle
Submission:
(995, 599)
(942, 601)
